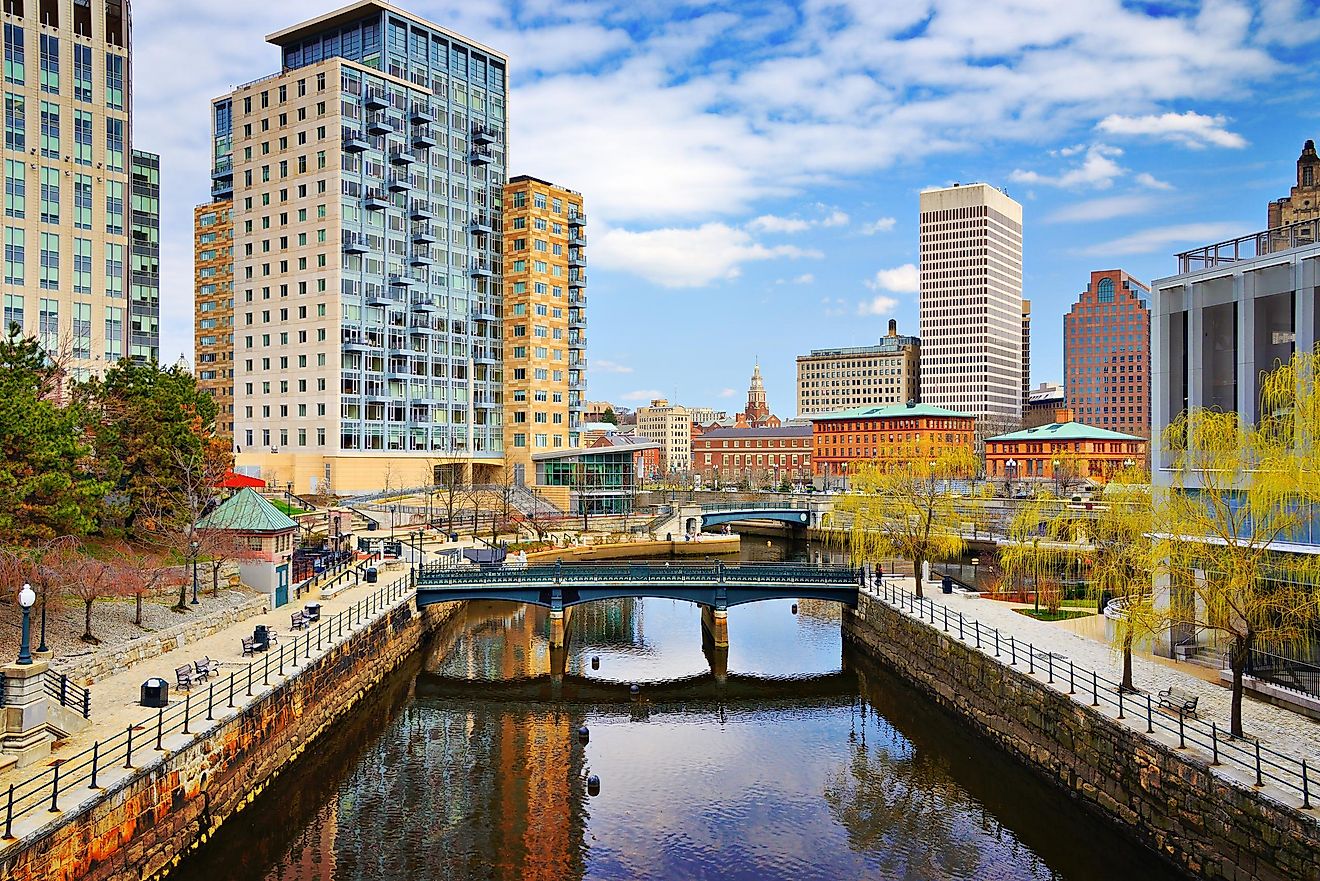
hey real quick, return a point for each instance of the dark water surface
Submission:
(803, 761)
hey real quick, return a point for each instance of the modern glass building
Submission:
(367, 296)
(600, 480)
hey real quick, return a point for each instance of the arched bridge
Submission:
(693, 518)
(717, 585)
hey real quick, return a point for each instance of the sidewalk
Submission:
(1281, 729)
(115, 698)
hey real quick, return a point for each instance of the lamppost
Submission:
(1055, 471)
(393, 509)
(26, 597)
(1010, 472)
(194, 547)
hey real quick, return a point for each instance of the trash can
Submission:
(260, 638)
(155, 693)
(371, 575)
(312, 611)
(946, 586)
(371, 525)
(453, 536)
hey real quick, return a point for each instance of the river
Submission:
(803, 761)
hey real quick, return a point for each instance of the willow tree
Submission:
(1239, 493)
(1111, 544)
(906, 509)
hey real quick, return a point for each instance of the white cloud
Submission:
(644, 395)
(900, 280)
(882, 224)
(835, 218)
(773, 223)
(1191, 129)
(602, 365)
(1146, 179)
(805, 278)
(1098, 171)
(1162, 238)
(686, 257)
(878, 305)
(1103, 209)
(728, 393)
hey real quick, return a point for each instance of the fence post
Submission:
(249, 678)
(210, 701)
(128, 756)
(977, 626)
(1095, 695)
(1214, 742)
(946, 619)
(1012, 646)
(265, 667)
(1049, 660)
(64, 689)
(1072, 687)
(1306, 788)
(295, 639)
(87, 703)
(55, 790)
(1120, 703)
(187, 709)
(160, 726)
(1031, 658)
(960, 627)
(1150, 717)
(231, 691)
(9, 813)
(1259, 780)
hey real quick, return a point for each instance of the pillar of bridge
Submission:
(559, 627)
(716, 624)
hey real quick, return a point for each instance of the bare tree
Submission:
(178, 508)
(139, 573)
(89, 579)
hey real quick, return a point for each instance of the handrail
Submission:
(1247, 754)
(67, 693)
(42, 790)
(638, 572)
(1289, 673)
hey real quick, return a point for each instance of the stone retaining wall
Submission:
(1206, 825)
(89, 668)
(146, 823)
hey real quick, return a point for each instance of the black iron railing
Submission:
(1285, 672)
(67, 693)
(140, 745)
(1089, 688)
(642, 572)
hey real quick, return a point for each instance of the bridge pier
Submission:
(559, 627)
(716, 623)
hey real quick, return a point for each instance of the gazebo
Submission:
(267, 536)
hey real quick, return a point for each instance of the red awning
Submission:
(232, 480)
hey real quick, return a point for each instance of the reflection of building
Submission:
(758, 457)
(596, 480)
(1063, 449)
(889, 435)
(1106, 353)
(859, 376)
(670, 426)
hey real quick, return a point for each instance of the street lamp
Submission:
(194, 547)
(26, 597)
(393, 510)
(1010, 472)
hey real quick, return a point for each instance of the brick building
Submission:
(1300, 205)
(894, 434)
(755, 457)
(213, 322)
(1106, 353)
(1063, 448)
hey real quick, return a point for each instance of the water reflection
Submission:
(804, 761)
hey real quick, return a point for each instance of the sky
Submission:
(750, 168)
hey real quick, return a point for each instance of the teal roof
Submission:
(891, 411)
(247, 511)
(1064, 431)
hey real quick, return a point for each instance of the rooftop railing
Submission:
(1257, 244)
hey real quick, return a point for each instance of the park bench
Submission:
(298, 621)
(185, 677)
(206, 668)
(249, 646)
(1180, 701)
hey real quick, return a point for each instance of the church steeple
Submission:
(757, 409)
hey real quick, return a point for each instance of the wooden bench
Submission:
(249, 646)
(185, 677)
(206, 668)
(1179, 701)
(298, 621)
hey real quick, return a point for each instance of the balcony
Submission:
(382, 125)
(422, 115)
(485, 356)
(576, 239)
(577, 219)
(424, 303)
(222, 188)
(483, 135)
(576, 319)
(401, 156)
(484, 312)
(375, 201)
(576, 259)
(422, 234)
(576, 284)
(356, 142)
(376, 101)
(424, 140)
(577, 340)
(481, 225)
(355, 243)
(480, 156)
(421, 258)
(400, 279)
(481, 269)
(577, 299)
(354, 343)
(398, 183)
(378, 296)
(420, 325)
(421, 210)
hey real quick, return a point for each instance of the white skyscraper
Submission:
(971, 301)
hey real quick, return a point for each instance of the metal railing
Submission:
(1256, 244)
(1284, 672)
(67, 693)
(194, 715)
(643, 572)
(1088, 687)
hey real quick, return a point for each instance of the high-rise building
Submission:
(1026, 352)
(670, 426)
(829, 380)
(971, 301)
(213, 307)
(1303, 202)
(76, 276)
(1106, 354)
(363, 178)
(545, 320)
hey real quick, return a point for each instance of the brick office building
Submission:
(888, 435)
(1106, 354)
(755, 457)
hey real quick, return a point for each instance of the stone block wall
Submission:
(1206, 825)
(146, 823)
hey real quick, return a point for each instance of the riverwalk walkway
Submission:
(1280, 730)
(116, 708)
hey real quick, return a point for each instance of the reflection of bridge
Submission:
(714, 586)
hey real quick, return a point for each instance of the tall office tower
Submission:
(367, 297)
(213, 286)
(840, 379)
(68, 175)
(1026, 353)
(1106, 354)
(545, 320)
(971, 301)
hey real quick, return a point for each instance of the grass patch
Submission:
(1047, 615)
(286, 507)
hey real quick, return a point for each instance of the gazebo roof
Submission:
(248, 511)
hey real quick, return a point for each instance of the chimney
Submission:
(1063, 414)
(893, 327)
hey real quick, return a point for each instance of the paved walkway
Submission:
(115, 704)
(1280, 729)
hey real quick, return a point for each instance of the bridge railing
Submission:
(641, 572)
(1089, 687)
(755, 506)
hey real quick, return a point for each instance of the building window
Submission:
(1104, 291)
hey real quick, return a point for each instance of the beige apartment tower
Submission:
(670, 426)
(829, 380)
(81, 223)
(545, 321)
(213, 307)
(972, 319)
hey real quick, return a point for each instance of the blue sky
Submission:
(751, 169)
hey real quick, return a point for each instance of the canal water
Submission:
(790, 756)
